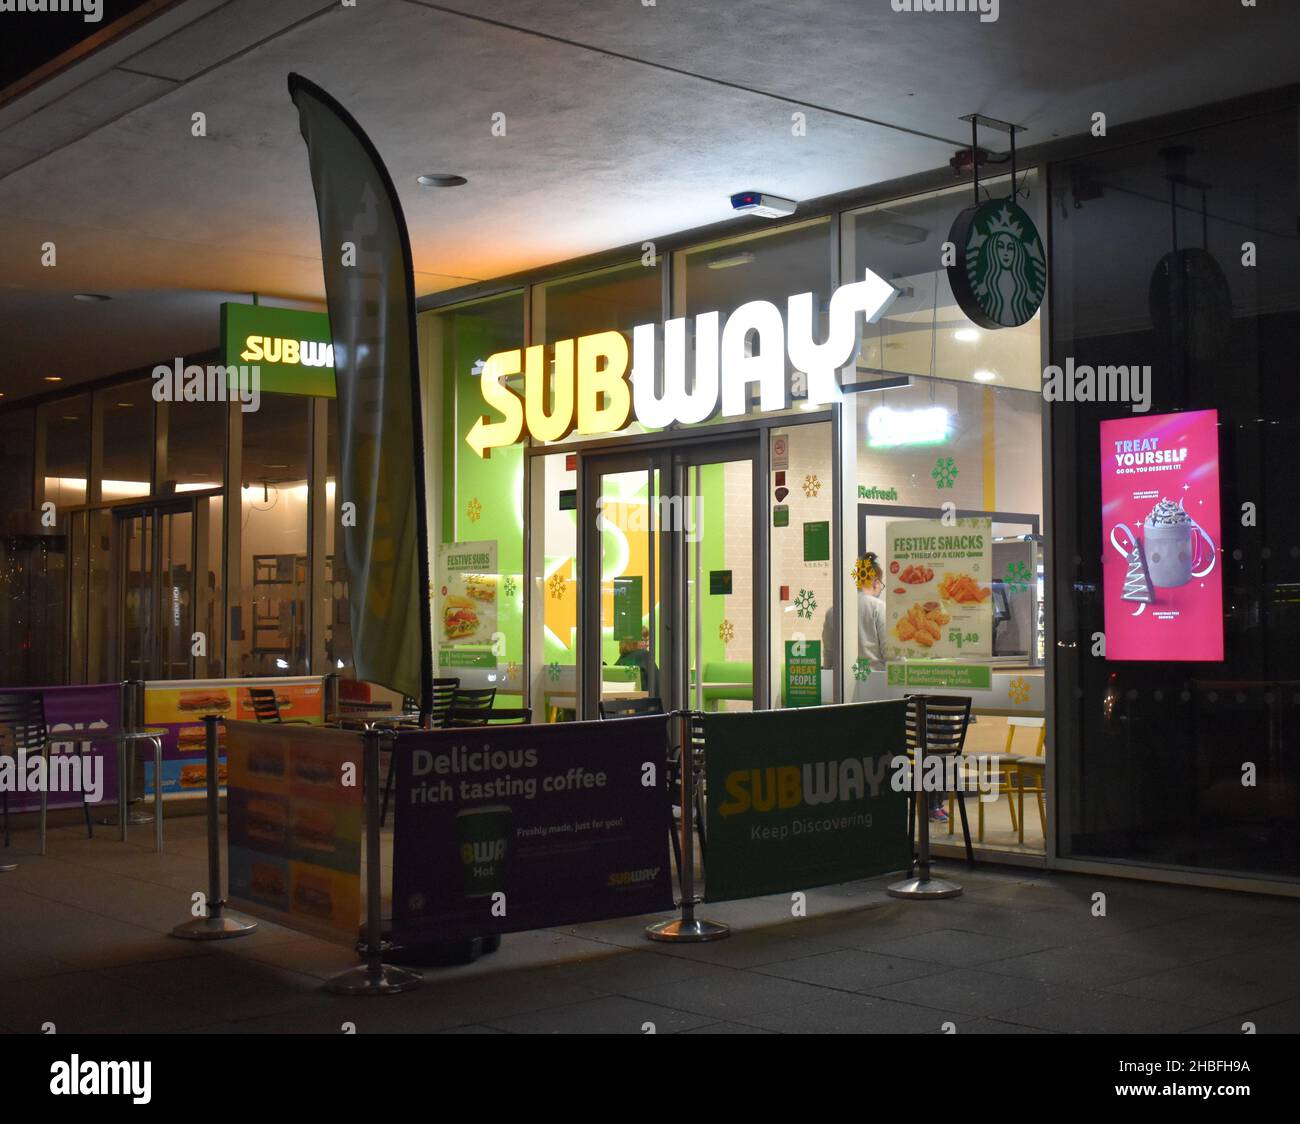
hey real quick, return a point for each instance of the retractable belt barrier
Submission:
(511, 828)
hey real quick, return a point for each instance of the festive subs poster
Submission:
(1160, 534)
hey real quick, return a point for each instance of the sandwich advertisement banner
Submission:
(467, 605)
(508, 828)
(294, 803)
(803, 798)
(938, 589)
(175, 708)
(369, 290)
(1160, 537)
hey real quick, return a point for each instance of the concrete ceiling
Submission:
(600, 149)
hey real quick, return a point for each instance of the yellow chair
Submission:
(1017, 779)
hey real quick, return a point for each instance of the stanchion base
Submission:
(685, 932)
(923, 888)
(133, 819)
(364, 980)
(214, 928)
(5, 868)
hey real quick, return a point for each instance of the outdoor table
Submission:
(570, 702)
(122, 737)
(369, 720)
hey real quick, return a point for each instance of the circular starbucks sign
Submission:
(1000, 275)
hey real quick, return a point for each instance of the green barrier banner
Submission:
(803, 798)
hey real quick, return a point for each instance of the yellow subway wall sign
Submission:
(292, 350)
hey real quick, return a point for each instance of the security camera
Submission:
(766, 206)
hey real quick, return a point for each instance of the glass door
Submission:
(156, 563)
(676, 614)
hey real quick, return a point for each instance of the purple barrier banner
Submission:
(73, 715)
(507, 828)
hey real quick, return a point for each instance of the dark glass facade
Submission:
(1184, 764)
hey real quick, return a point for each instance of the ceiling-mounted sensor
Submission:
(765, 206)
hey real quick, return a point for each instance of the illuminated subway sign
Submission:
(600, 384)
(292, 347)
(274, 349)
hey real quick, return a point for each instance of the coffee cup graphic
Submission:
(1169, 548)
(483, 847)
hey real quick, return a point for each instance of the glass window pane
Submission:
(127, 418)
(196, 446)
(273, 547)
(482, 498)
(17, 443)
(67, 449)
(802, 602)
(615, 299)
(925, 332)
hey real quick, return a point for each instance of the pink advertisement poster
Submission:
(1160, 535)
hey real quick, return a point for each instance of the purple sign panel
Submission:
(507, 828)
(74, 716)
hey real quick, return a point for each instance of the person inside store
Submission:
(636, 653)
(871, 614)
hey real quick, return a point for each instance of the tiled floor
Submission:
(84, 945)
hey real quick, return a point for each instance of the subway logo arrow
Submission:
(590, 390)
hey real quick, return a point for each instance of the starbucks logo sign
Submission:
(1000, 275)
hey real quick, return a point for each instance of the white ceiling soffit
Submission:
(603, 146)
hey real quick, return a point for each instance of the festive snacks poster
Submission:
(1160, 537)
(938, 589)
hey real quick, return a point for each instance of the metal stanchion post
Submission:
(127, 765)
(922, 886)
(215, 926)
(374, 977)
(687, 928)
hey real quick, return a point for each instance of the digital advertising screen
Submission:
(1161, 537)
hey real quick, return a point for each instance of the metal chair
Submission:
(947, 718)
(630, 708)
(444, 691)
(23, 730)
(266, 707)
(470, 699)
(503, 716)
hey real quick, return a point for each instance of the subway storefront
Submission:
(764, 470)
(1075, 513)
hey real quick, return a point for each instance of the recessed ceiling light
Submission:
(90, 298)
(275, 466)
(124, 404)
(440, 179)
(53, 378)
(69, 417)
(966, 335)
(984, 376)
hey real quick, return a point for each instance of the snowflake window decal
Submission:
(861, 669)
(1018, 692)
(944, 472)
(1017, 577)
(509, 588)
(556, 584)
(805, 604)
(726, 631)
(553, 672)
(811, 486)
(864, 573)
(474, 510)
